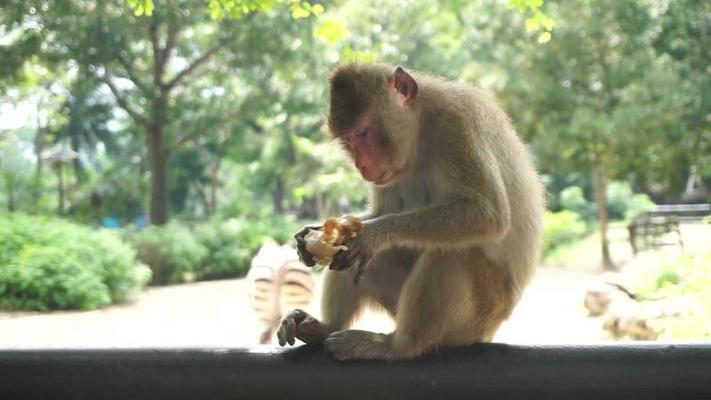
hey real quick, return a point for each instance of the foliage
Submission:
(236, 91)
(232, 244)
(171, 251)
(561, 228)
(573, 199)
(685, 279)
(623, 204)
(15, 173)
(178, 253)
(48, 264)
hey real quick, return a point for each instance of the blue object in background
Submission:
(110, 222)
(140, 222)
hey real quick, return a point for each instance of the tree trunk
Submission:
(10, 197)
(60, 189)
(79, 174)
(214, 182)
(39, 148)
(158, 154)
(599, 177)
(278, 195)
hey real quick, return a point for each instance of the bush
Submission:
(171, 251)
(228, 256)
(48, 263)
(573, 199)
(212, 250)
(231, 244)
(622, 203)
(680, 280)
(561, 228)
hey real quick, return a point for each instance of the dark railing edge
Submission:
(629, 370)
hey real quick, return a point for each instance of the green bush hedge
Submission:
(47, 263)
(171, 251)
(216, 249)
(561, 228)
(622, 202)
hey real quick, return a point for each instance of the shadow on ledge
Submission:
(499, 371)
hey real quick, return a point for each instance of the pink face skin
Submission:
(362, 141)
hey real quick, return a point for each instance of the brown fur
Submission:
(454, 238)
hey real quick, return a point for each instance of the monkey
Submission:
(455, 222)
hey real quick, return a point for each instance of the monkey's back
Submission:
(465, 107)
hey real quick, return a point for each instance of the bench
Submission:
(660, 220)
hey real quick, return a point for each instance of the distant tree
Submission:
(685, 36)
(152, 61)
(597, 95)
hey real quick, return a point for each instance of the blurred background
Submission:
(151, 152)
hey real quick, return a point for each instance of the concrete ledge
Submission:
(497, 371)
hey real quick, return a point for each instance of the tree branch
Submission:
(172, 35)
(122, 101)
(190, 68)
(128, 67)
(157, 54)
(198, 131)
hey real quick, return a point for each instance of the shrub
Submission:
(171, 251)
(228, 256)
(573, 199)
(623, 203)
(232, 243)
(212, 250)
(685, 281)
(561, 228)
(48, 263)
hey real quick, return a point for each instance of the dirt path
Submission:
(218, 314)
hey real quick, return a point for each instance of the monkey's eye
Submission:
(362, 133)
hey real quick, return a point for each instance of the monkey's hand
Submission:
(304, 256)
(297, 324)
(361, 250)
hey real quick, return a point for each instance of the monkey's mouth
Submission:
(385, 178)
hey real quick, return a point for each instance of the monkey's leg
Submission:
(386, 274)
(340, 302)
(452, 297)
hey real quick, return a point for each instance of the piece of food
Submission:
(324, 244)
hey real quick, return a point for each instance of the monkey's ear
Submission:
(405, 87)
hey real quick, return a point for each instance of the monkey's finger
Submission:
(299, 237)
(307, 259)
(340, 261)
(298, 315)
(280, 334)
(289, 331)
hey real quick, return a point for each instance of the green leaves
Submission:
(48, 264)
(538, 20)
(237, 9)
(331, 30)
(142, 7)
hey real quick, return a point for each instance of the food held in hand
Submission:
(324, 244)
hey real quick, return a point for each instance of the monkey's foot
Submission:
(359, 345)
(297, 324)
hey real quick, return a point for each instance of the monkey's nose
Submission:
(368, 174)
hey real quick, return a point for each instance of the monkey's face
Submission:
(373, 119)
(372, 151)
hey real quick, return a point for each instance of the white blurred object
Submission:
(277, 282)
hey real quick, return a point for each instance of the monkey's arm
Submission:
(478, 211)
